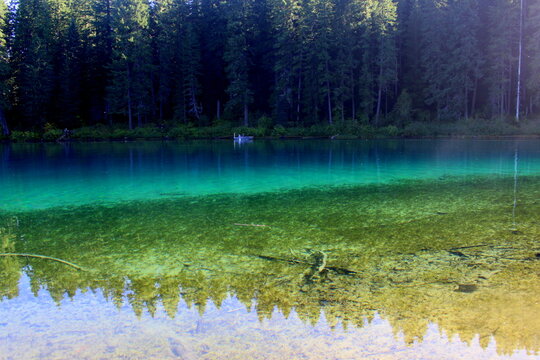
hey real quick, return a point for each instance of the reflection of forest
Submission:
(418, 257)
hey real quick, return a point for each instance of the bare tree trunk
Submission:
(520, 62)
(379, 96)
(218, 110)
(328, 97)
(130, 119)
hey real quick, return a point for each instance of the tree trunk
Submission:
(194, 105)
(246, 115)
(475, 93)
(130, 118)
(3, 123)
(108, 113)
(139, 117)
(218, 110)
(379, 96)
(299, 96)
(520, 61)
(328, 95)
(466, 103)
(353, 105)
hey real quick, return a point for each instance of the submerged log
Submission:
(335, 269)
(45, 258)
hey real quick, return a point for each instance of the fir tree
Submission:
(129, 88)
(32, 60)
(532, 77)
(237, 55)
(4, 69)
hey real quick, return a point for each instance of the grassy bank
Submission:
(342, 130)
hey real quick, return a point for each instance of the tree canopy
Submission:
(300, 62)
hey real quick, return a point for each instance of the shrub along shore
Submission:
(338, 131)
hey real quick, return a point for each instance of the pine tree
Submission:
(532, 82)
(165, 33)
(384, 16)
(502, 17)
(289, 24)
(319, 65)
(32, 60)
(465, 61)
(4, 69)
(410, 21)
(98, 51)
(237, 55)
(68, 91)
(213, 78)
(347, 17)
(191, 58)
(129, 88)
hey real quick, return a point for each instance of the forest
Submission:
(289, 63)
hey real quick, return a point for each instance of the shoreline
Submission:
(285, 138)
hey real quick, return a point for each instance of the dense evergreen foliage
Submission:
(297, 62)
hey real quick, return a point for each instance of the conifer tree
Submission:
(288, 21)
(32, 60)
(309, 62)
(213, 77)
(384, 16)
(237, 55)
(191, 59)
(4, 70)
(98, 52)
(502, 17)
(532, 37)
(67, 93)
(129, 88)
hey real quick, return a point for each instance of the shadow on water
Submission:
(458, 252)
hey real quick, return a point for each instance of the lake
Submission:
(390, 249)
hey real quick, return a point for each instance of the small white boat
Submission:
(242, 138)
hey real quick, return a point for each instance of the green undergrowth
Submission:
(265, 128)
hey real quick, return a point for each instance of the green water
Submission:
(393, 250)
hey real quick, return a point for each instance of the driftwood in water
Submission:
(46, 258)
(321, 266)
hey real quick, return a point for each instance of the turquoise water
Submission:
(39, 176)
(393, 249)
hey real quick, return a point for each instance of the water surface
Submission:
(317, 250)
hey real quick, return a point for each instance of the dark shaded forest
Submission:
(132, 63)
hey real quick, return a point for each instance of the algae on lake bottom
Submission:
(451, 252)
